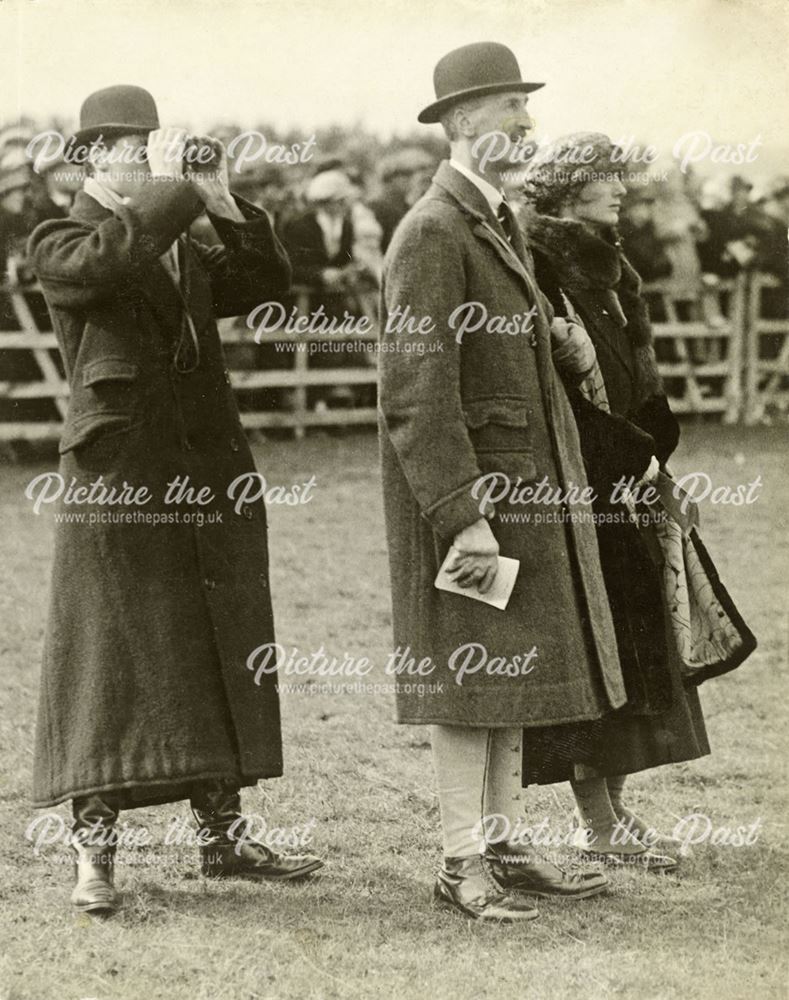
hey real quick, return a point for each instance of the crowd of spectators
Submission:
(336, 213)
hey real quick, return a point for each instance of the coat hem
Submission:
(555, 778)
(153, 783)
(511, 724)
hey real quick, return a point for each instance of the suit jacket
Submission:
(452, 412)
(303, 239)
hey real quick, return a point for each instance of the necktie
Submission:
(506, 217)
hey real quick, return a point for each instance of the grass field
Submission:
(367, 928)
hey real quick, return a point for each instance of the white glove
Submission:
(166, 151)
(651, 474)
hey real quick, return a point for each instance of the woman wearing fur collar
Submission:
(627, 429)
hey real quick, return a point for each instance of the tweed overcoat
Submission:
(145, 686)
(456, 406)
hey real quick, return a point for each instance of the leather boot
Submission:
(94, 867)
(521, 869)
(227, 852)
(465, 884)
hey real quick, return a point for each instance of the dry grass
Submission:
(367, 928)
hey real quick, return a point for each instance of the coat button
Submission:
(227, 376)
(248, 513)
(187, 444)
(234, 446)
(209, 584)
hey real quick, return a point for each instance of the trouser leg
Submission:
(504, 806)
(460, 761)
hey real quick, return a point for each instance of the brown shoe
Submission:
(465, 884)
(519, 869)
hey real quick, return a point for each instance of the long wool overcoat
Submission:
(145, 687)
(452, 410)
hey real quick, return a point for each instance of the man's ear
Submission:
(463, 122)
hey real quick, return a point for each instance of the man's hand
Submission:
(165, 151)
(474, 559)
(210, 177)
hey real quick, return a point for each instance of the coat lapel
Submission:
(488, 230)
(588, 270)
(487, 227)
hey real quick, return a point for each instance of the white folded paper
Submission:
(499, 594)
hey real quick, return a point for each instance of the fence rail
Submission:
(735, 364)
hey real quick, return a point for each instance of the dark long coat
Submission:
(604, 290)
(145, 687)
(450, 413)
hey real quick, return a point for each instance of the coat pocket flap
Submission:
(109, 369)
(504, 412)
(90, 426)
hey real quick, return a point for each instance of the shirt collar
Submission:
(492, 195)
(105, 196)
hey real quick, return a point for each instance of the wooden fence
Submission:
(736, 366)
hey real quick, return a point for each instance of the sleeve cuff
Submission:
(457, 511)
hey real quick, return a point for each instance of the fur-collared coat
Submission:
(591, 272)
(452, 411)
(145, 687)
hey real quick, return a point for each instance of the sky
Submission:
(655, 69)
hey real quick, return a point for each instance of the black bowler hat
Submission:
(114, 111)
(473, 71)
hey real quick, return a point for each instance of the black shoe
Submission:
(522, 870)
(465, 884)
(94, 867)
(254, 860)
(227, 852)
(645, 860)
(94, 891)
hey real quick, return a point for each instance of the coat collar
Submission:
(487, 227)
(583, 262)
(580, 258)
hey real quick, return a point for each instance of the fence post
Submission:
(737, 351)
(300, 366)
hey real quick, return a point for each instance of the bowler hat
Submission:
(473, 71)
(118, 110)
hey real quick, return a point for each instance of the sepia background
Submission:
(354, 75)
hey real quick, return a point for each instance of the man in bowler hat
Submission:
(155, 608)
(473, 407)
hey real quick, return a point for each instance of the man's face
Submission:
(122, 165)
(14, 201)
(503, 113)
